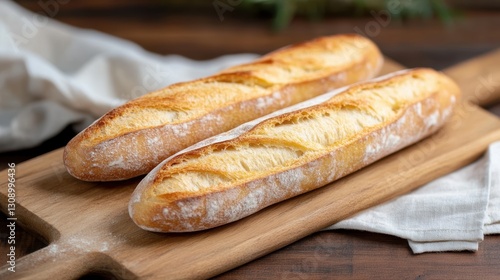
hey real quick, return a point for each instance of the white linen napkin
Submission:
(448, 214)
(53, 75)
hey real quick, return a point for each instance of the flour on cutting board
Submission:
(76, 244)
(80, 243)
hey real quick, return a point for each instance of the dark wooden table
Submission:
(324, 255)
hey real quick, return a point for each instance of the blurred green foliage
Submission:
(283, 11)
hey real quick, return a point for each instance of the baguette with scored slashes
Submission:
(135, 137)
(292, 151)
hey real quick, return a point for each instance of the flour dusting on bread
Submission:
(132, 139)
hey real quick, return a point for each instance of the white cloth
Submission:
(52, 75)
(450, 213)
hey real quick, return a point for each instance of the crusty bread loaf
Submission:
(132, 139)
(292, 151)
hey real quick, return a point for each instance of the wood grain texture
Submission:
(348, 254)
(89, 229)
(326, 255)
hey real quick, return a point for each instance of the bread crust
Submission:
(292, 151)
(132, 139)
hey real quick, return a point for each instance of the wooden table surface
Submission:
(324, 255)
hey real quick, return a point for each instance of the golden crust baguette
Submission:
(135, 137)
(292, 151)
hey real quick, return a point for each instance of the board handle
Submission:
(46, 264)
(479, 78)
(57, 261)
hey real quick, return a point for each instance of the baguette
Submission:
(135, 137)
(295, 150)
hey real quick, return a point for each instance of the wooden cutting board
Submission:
(88, 227)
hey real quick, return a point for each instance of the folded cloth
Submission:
(53, 75)
(451, 213)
